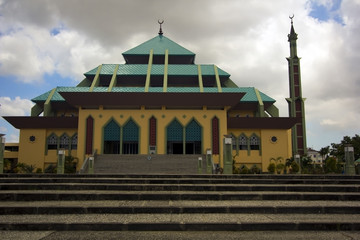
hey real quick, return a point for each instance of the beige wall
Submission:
(269, 149)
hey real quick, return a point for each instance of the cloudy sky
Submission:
(44, 44)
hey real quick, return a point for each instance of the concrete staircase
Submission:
(147, 164)
(110, 202)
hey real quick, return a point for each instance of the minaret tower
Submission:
(296, 101)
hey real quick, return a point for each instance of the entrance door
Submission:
(112, 138)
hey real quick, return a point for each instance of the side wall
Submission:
(274, 143)
(33, 146)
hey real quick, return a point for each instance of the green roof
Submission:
(159, 44)
(158, 69)
(250, 94)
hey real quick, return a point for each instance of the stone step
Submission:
(145, 164)
(113, 202)
(55, 210)
(184, 176)
(53, 195)
(113, 180)
(181, 222)
(181, 187)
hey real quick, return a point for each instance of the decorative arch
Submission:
(254, 142)
(74, 141)
(52, 142)
(215, 135)
(111, 137)
(89, 135)
(64, 142)
(175, 138)
(152, 131)
(130, 137)
(243, 142)
(234, 142)
(193, 137)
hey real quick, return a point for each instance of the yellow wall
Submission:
(11, 154)
(269, 149)
(34, 153)
(141, 117)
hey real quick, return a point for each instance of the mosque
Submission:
(160, 102)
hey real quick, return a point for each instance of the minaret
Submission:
(296, 101)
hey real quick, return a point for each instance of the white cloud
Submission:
(15, 107)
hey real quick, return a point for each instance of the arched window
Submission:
(74, 141)
(52, 142)
(234, 143)
(243, 142)
(64, 141)
(254, 142)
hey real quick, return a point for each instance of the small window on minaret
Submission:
(296, 68)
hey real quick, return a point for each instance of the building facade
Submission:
(159, 102)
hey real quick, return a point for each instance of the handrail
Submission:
(85, 164)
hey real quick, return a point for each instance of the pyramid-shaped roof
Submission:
(159, 44)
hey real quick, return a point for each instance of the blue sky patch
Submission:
(326, 13)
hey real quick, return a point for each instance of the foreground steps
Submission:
(179, 202)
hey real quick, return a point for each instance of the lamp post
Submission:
(61, 162)
(228, 164)
(297, 160)
(349, 160)
(2, 146)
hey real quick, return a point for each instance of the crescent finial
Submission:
(160, 31)
(291, 17)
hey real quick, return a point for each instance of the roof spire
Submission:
(160, 31)
(291, 17)
(292, 35)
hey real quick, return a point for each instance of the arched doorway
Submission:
(175, 138)
(193, 135)
(112, 138)
(130, 143)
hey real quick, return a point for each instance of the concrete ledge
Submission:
(13, 210)
(254, 226)
(81, 196)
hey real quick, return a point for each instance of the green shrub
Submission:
(280, 167)
(25, 168)
(294, 167)
(50, 169)
(244, 170)
(255, 170)
(271, 168)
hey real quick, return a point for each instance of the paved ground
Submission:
(278, 235)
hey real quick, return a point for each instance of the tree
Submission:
(324, 152)
(338, 148)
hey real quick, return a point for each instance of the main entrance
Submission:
(175, 138)
(112, 138)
